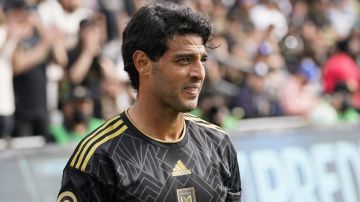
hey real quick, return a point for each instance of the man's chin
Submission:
(188, 107)
(187, 110)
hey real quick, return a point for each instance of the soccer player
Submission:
(155, 150)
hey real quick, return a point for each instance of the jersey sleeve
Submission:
(234, 181)
(80, 186)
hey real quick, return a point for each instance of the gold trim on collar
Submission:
(156, 139)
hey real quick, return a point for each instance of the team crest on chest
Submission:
(186, 195)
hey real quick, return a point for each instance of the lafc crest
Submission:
(186, 195)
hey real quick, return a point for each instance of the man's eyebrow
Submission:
(178, 55)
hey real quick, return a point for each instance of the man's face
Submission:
(20, 15)
(177, 77)
(70, 5)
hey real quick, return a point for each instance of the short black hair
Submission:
(15, 4)
(153, 25)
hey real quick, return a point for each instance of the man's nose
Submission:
(198, 70)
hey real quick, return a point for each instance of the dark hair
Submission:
(15, 4)
(153, 26)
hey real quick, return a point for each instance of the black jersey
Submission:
(118, 162)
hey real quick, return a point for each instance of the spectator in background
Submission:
(10, 34)
(267, 14)
(87, 66)
(240, 12)
(354, 44)
(317, 13)
(298, 97)
(117, 97)
(78, 117)
(110, 9)
(298, 14)
(118, 94)
(252, 97)
(341, 101)
(316, 32)
(64, 16)
(341, 11)
(340, 67)
(354, 52)
(29, 64)
(277, 75)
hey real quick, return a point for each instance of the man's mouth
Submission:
(192, 90)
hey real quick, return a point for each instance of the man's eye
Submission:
(184, 61)
(203, 60)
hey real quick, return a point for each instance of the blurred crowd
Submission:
(61, 70)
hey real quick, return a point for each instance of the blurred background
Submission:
(284, 82)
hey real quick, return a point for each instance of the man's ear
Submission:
(142, 62)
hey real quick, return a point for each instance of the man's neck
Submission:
(156, 122)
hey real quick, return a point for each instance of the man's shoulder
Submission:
(205, 129)
(96, 144)
(210, 138)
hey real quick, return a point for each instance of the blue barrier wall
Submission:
(303, 164)
(297, 164)
(32, 175)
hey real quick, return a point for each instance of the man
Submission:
(32, 53)
(78, 117)
(64, 16)
(154, 151)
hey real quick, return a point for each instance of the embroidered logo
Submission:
(180, 169)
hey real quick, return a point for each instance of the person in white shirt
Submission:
(10, 35)
(65, 16)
